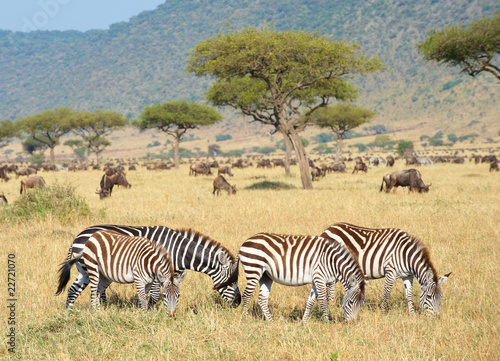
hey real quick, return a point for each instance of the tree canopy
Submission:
(48, 126)
(273, 76)
(341, 118)
(176, 118)
(473, 48)
(8, 130)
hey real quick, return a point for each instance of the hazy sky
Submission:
(29, 15)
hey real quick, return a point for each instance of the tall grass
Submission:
(458, 221)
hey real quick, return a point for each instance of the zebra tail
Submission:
(382, 186)
(65, 272)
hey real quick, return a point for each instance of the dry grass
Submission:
(458, 221)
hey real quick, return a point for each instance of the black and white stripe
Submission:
(300, 260)
(392, 253)
(188, 249)
(109, 257)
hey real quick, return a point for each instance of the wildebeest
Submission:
(494, 166)
(25, 171)
(358, 167)
(390, 160)
(3, 174)
(3, 199)
(264, 163)
(225, 170)
(336, 167)
(316, 173)
(108, 182)
(200, 168)
(220, 183)
(407, 178)
(32, 182)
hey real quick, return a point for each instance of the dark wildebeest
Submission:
(358, 167)
(25, 171)
(200, 168)
(225, 170)
(3, 199)
(278, 163)
(3, 173)
(337, 167)
(108, 182)
(32, 182)
(264, 163)
(408, 178)
(390, 160)
(316, 173)
(220, 183)
(494, 166)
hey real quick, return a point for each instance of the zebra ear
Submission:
(443, 279)
(223, 258)
(179, 277)
(352, 281)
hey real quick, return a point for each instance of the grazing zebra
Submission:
(110, 257)
(300, 260)
(392, 253)
(188, 249)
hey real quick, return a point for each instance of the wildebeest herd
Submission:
(157, 257)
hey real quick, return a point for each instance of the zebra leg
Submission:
(310, 303)
(101, 291)
(81, 282)
(408, 282)
(249, 289)
(94, 286)
(323, 297)
(265, 290)
(389, 282)
(140, 286)
(154, 295)
(330, 290)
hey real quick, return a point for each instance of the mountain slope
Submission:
(141, 62)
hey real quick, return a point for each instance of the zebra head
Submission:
(354, 297)
(226, 282)
(431, 293)
(171, 291)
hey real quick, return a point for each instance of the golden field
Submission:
(458, 220)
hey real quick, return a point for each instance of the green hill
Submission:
(142, 61)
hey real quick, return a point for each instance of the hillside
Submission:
(141, 62)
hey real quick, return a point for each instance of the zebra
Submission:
(392, 253)
(110, 257)
(189, 250)
(299, 260)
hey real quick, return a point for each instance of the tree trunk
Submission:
(52, 156)
(288, 154)
(176, 150)
(339, 145)
(302, 158)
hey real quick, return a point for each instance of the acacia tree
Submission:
(48, 127)
(273, 76)
(472, 48)
(175, 118)
(341, 118)
(8, 131)
(93, 127)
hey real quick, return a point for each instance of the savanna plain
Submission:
(458, 220)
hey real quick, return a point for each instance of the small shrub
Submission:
(58, 201)
(270, 185)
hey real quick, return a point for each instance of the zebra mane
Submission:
(163, 253)
(200, 237)
(421, 247)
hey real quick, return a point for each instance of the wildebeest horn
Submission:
(428, 185)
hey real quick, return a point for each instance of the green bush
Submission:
(56, 201)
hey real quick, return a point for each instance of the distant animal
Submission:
(3, 199)
(337, 167)
(278, 162)
(215, 261)
(316, 173)
(297, 261)
(391, 253)
(220, 183)
(494, 166)
(264, 163)
(424, 161)
(32, 182)
(408, 178)
(108, 182)
(360, 167)
(25, 172)
(110, 257)
(225, 170)
(390, 161)
(3, 174)
(200, 168)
